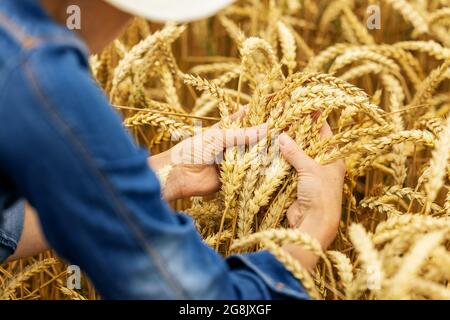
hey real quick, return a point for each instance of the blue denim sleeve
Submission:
(261, 276)
(11, 225)
(100, 205)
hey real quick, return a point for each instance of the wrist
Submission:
(322, 227)
(161, 163)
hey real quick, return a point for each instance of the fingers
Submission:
(338, 167)
(243, 136)
(294, 215)
(235, 116)
(315, 115)
(295, 155)
(239, 115)
(234, 137)
(325, 131)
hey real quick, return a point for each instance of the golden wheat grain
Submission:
(225, 102)
(439, 16)
(438, 163)
(437, 269)
(411, 195)
(214, 68)
(71, 294)
(280, 204)
(408, 224)
(10, 285)
(355, 55)
(170, 33)
(281, 237)
(344, 268)
(293, 266)
(376, 203)
(372, 270)
(318, 62)
(362, 35)
(174, 127)
(331, 12)
(379, 145)
(233, 30)
(431, 290)
(430, 84)
(287, 40)
(430, 47)
(410, 15)
(213, 239)
(302, 45)
(361, 70)
(400, 284)
(270, 64)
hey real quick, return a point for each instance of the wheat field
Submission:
(385, 93)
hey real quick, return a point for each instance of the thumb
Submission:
(295, 155)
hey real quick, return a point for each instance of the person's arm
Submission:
(32, 241)
(185, 181)
(11, 226)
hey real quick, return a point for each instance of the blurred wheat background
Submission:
(385, 93)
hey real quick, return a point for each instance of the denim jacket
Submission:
(11, 225)
(64, 149)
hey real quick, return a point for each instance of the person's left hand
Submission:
(194, 160)
(317, 210)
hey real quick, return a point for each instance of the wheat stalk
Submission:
(438, 163)
(10, 285)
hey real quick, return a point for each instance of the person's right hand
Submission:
(317, 210)
(195, 160)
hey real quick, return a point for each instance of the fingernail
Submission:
(315, 115)
(284, 139)
(264, 127)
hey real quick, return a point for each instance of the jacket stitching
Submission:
(7, 240)
(26, 40)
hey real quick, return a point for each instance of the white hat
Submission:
(171, 10)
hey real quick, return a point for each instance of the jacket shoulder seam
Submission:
(25, 40)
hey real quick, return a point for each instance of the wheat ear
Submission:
(10, 285)
(438, 163)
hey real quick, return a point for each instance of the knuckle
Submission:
(290, 153)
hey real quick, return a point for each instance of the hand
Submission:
(194, 160)
(317, 210)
